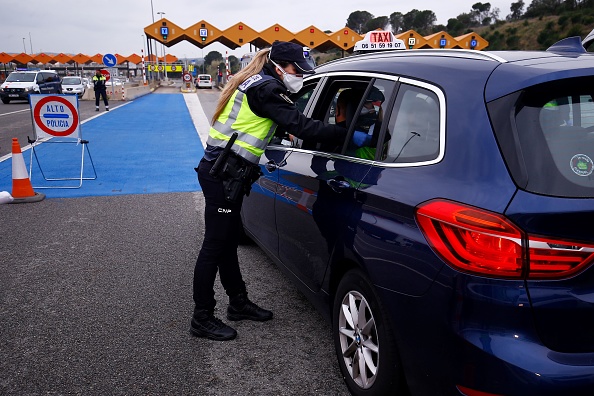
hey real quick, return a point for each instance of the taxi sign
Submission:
(379, 40)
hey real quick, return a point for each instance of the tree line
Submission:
(480, 14)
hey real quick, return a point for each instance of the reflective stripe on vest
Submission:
(254, 132)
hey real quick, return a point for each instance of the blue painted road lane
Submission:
(146, 146)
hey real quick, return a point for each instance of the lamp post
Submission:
(144, 42)
(149, 42)
(164, 54)
(24, 48)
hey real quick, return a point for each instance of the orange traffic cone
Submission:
(22, 190)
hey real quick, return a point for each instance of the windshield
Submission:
(21, 77)
(71, 81)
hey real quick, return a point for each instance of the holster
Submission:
(238, 175)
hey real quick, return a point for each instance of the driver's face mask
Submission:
(366, 109)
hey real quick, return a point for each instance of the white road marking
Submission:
(198, 116)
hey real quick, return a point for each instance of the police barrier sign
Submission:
(55, 115)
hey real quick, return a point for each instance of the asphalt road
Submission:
(95, 299)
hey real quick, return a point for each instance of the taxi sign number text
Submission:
(389, 45)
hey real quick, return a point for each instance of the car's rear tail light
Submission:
(551, 258)
(472, 392)
(481, 242)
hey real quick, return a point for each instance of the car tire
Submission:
(371, 347)
(5, 101)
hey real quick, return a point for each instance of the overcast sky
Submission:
(117, 26)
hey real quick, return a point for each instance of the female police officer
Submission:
(252, 105)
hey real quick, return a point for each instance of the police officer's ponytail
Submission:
(254, 67)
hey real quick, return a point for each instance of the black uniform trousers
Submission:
(101, 93)
(222, 224)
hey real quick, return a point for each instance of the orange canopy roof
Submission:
(97, 58)
(81, 58)
(43, 58)
(5, 58)
(22, 58)
(134, 58)
(120, 58)
(63, 58)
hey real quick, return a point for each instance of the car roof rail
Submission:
(570, 44)
(453, 52)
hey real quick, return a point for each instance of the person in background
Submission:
(100, 90)
(252, 105)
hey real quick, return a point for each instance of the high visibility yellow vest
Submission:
(254, 132)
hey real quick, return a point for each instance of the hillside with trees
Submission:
(534, 27)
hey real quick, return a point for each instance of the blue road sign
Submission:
(110, 60)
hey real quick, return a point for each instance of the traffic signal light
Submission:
(164, 31)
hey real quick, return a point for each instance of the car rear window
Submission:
(207, 78)
(546, 133)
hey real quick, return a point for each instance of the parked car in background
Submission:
(73, 85)
(448, 239)
(20, 84)
(114, 81)
(204, 81)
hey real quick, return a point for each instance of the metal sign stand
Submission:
(80, 178)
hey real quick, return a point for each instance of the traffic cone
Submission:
(22, 190)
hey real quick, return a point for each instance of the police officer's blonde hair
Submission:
(254, 67)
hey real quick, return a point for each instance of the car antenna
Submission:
(569, 44)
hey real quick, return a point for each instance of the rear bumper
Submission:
(480, 335)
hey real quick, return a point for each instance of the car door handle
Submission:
(271, 166)
(339, 185)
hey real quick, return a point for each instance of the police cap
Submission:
(293, 53)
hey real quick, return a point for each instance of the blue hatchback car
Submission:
(450, 242)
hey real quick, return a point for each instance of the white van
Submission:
(204, 81)
(20, 84)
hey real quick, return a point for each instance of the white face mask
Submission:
(293, 82)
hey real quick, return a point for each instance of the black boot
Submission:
(205, 324)
(240, 307)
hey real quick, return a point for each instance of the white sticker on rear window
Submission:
(581, 165)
